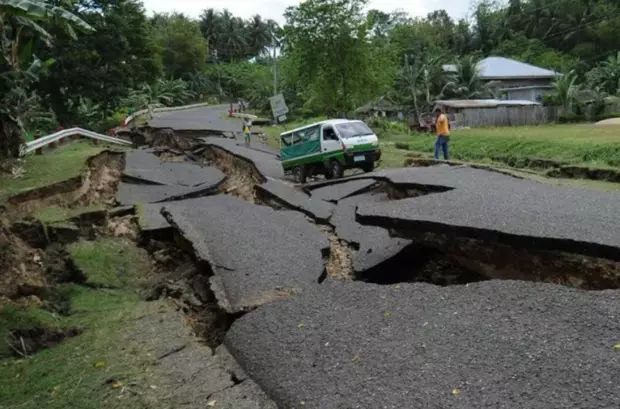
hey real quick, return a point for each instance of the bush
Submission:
(602, 117)
(570, 118)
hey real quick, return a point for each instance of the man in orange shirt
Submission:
(442, 127)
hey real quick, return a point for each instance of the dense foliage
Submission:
(91, 62)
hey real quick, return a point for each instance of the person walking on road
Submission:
(442, 127)
(247, 130)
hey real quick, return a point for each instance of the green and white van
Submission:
(328, 148)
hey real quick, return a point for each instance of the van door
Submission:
(329, 140)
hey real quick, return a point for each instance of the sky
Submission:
(274, 9)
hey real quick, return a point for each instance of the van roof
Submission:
(325, 122)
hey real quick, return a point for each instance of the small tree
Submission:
(466, 82)
(565, 92)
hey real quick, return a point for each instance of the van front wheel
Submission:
(300, 174)
(335, 169)
(368, 166)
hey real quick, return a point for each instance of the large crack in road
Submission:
(332, 296)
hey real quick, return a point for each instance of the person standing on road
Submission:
(442, 127)
(247, 130)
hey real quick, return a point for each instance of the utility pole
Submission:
(275, 72)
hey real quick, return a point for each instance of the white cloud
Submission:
(274, 9)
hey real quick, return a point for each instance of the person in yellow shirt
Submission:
(442, 127)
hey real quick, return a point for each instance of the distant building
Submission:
(495, 112)
(514, 79)
(381, 108)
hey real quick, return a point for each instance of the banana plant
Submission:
(18, 17)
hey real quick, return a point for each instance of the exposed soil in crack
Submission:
(339, 258)
(98, 184)
(241, 175)
(22, 267)
(179, 276)
(420, 263)
(25, 342)
(501, 261)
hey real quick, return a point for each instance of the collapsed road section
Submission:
(257, 255)
(353, 344)
(469, 313)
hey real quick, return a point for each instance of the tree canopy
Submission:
(90, 62)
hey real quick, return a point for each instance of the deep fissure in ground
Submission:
(441, 259)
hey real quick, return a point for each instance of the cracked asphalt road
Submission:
(484, 203)
(257, 254)
(209, 118)
(494, 344)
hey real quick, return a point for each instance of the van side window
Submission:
(313, 134)
(329, 134)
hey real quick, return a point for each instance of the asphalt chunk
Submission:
(257, 254)
(145, 167)
(374, 243)
(129, 193)
(267, 164)
(339, 191)
(495, 206)
(287, 195)
(485, 345)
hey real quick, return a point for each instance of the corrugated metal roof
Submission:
(528, 87)
(497, 68)
(504, 68)
(484, 103)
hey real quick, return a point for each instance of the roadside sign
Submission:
(278, 106)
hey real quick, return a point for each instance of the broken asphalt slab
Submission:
(374, 244)
(129, 193)
(486, 345)
(336, 192)
(488, 205)
(268, 165)
(284, 194)
(145, 167)
(257, 254)
(187, 372)
(150, 220)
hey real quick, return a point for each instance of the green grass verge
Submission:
(583, 145)
(110, 262)
(83, 371)
(89, 370)
(54, 166)
(53, 214)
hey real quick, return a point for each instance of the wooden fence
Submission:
(505, 116)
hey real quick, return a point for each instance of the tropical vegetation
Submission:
(93, 62)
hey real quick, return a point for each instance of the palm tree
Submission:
(233, 37)
(565, 91)
(410, 81)
(611, 67)
(466, 82)
(259, 36)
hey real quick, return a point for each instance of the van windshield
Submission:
(353, 129)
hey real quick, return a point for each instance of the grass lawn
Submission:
(91, 369)
(579, 144)
(53, 166)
